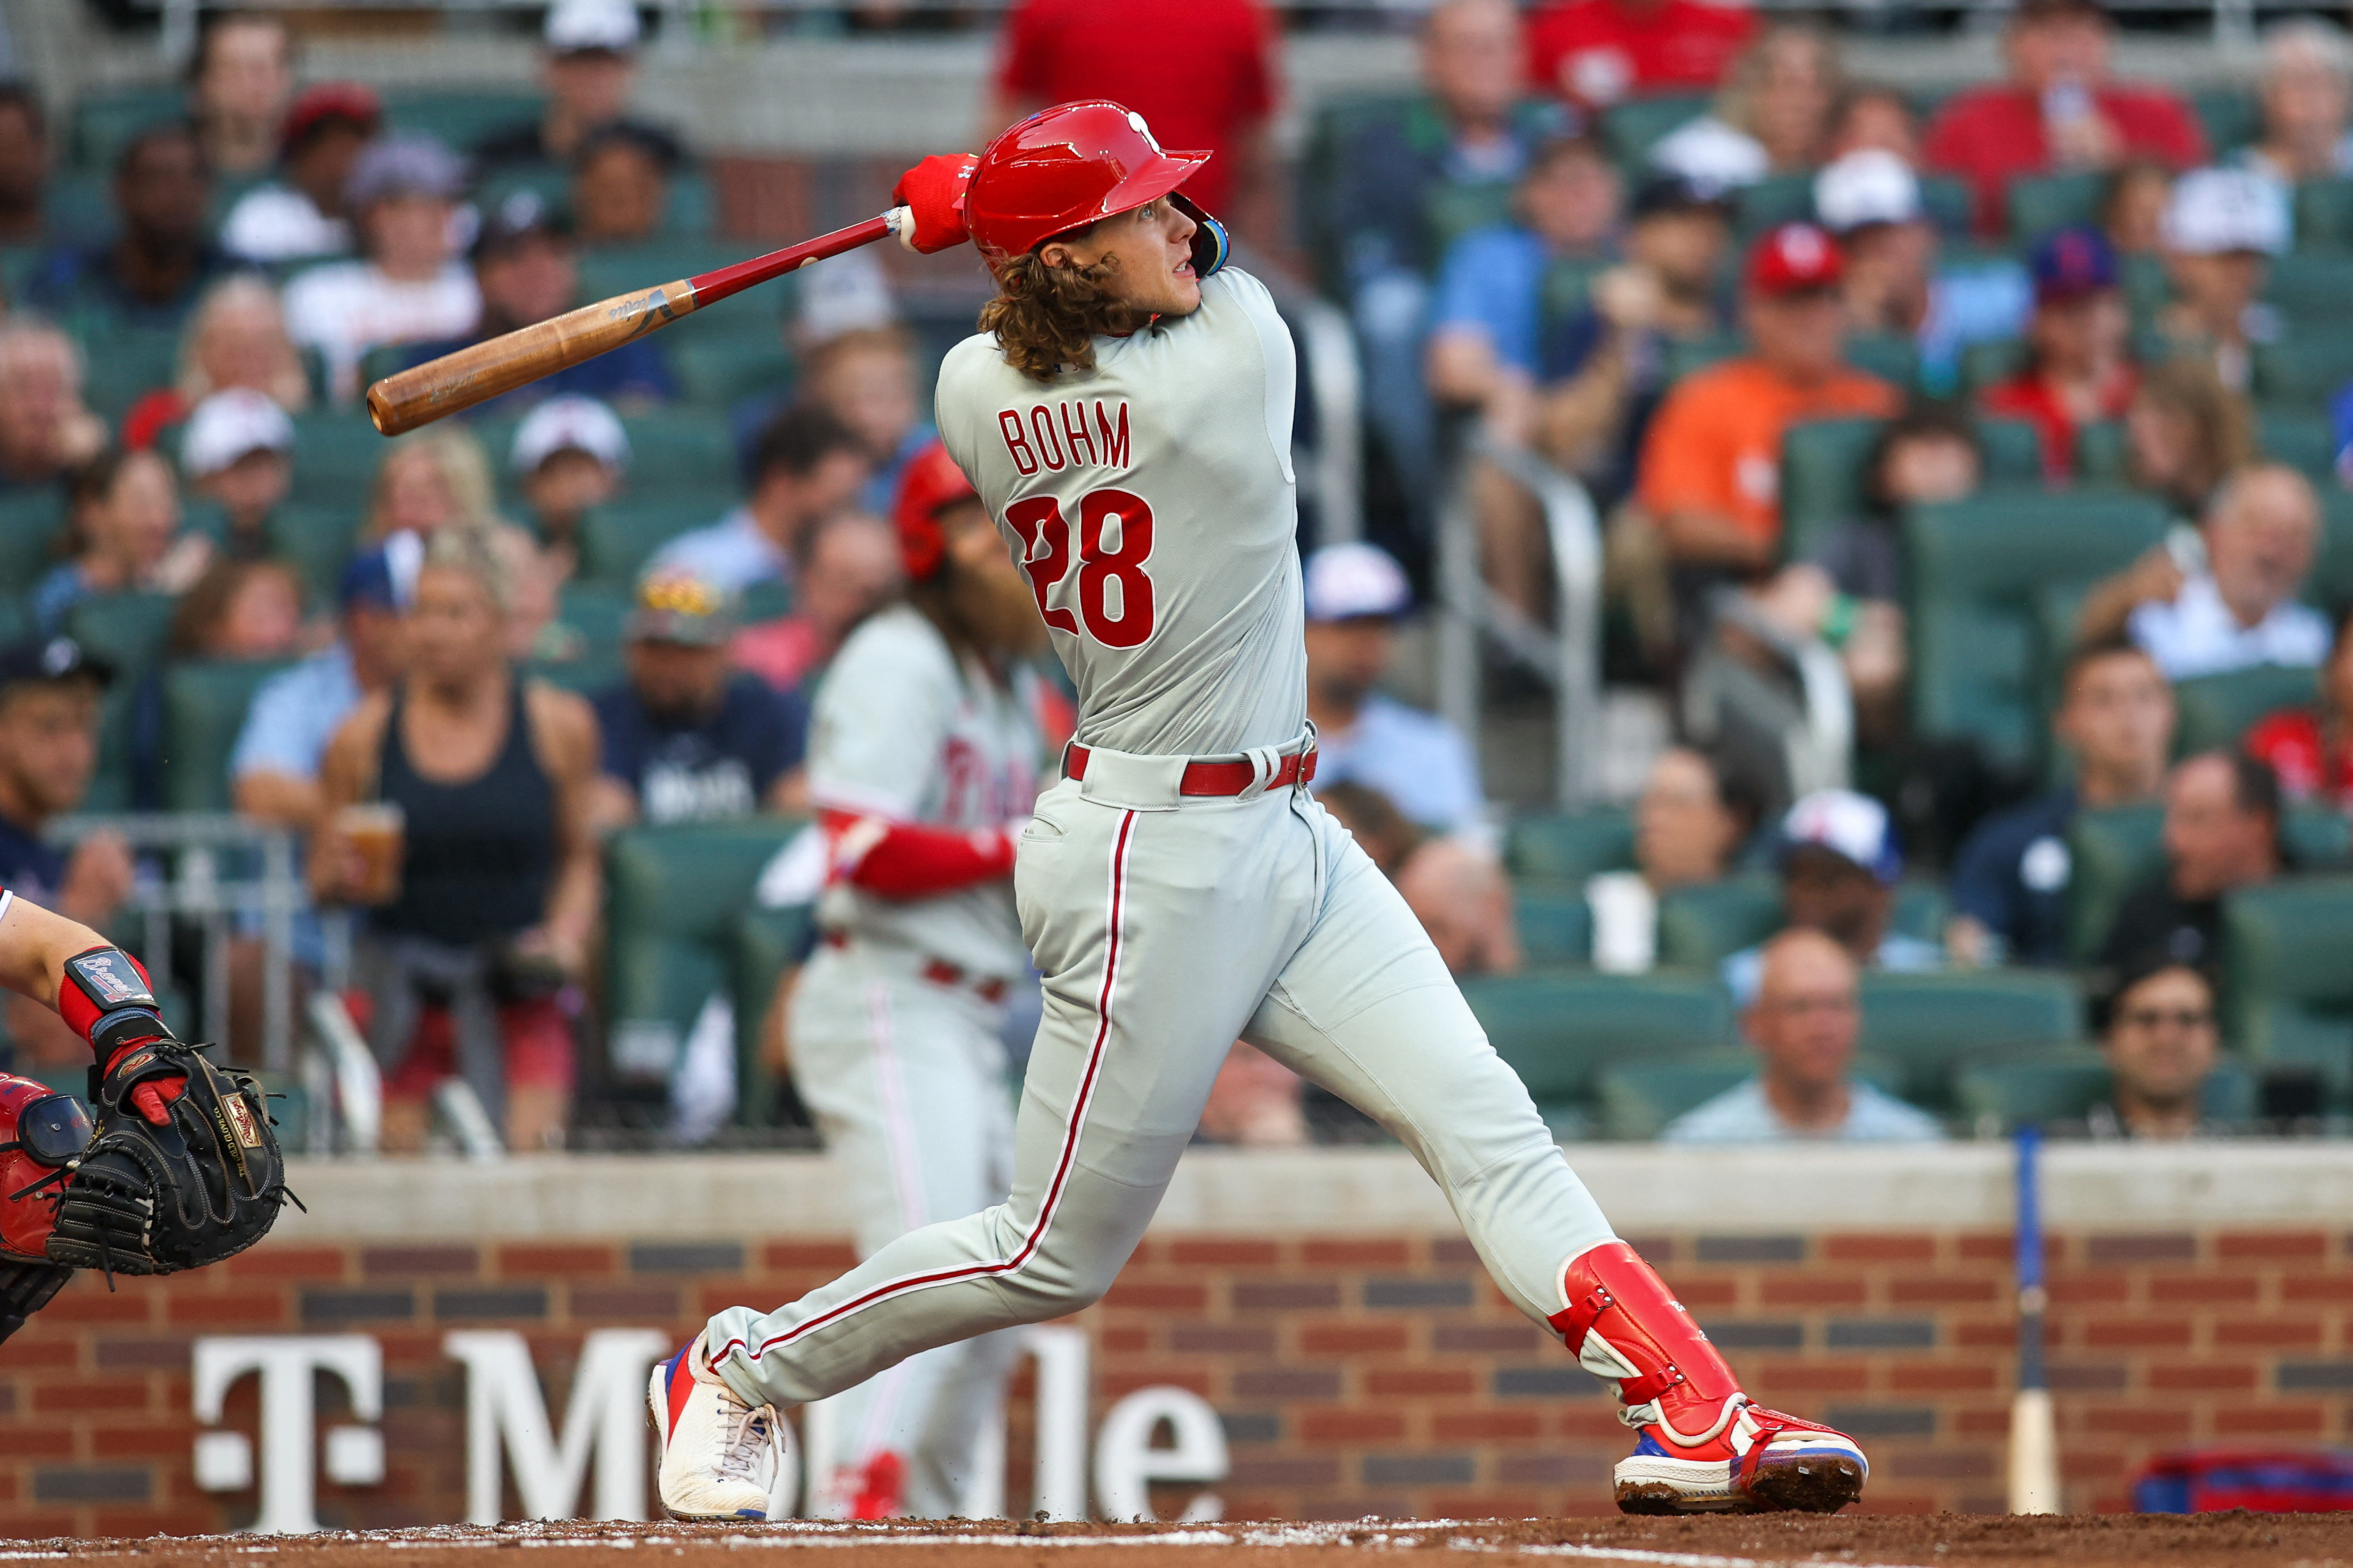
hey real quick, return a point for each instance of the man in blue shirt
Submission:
(1355, 594)
(1803, 1023)
(1839, 866)
(806, 466)
(687, 739)
(274, 770)
(2010, 880)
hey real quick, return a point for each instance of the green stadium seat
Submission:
(767, 944)
(30, 524)
(2100, 456)
(318, 539)
(2013, 452)
(1633, 127)
(2303, 441)
(1947, 203)
(598, 612)
(1991, 362)
(1681, 356)
(2147, 290)
(677, 449)
(2317, 836)
(1774, 200)
(127, 630)
(2304, 368)
(1557, 1029)
(2288, 991)
(79, 205)
(1925, 1026)
(2063, 1084)
(769, 600)
(2109, 849)
(618, 538)
(2040, 203)
(461, 118)
(2215, 711)
(675, 897)
(2310, 285)
(717, 372)
(1822, 464)
(204, 705)
(124, 364)
(2323, 214)
(584, 676)
(1639, 1099)
(1567, 847)
(105, 121)
(1555, 926)
(1980, 570)
(335, 458)
(2331, 583)
(1700, 927)
(1885, 355)
(2231, 116)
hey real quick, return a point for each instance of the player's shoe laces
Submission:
(1705, 1447)
(717, 1457)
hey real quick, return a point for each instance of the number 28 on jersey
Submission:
(1113, 526)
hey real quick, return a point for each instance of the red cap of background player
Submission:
(1794, 258)
(930, 481)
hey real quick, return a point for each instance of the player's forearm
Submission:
(904, 860)
(34, 943)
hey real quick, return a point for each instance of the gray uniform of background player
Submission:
(906, 1076)
(1165, 925)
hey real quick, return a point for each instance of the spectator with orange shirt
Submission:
(1710, 479)
(1596, 52)
(2057, 111)
(2080, 372)
(2311, 747)
(1200, 71)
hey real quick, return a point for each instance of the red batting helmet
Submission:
(1064, 168)
(930, 481)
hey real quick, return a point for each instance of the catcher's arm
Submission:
(34, 945)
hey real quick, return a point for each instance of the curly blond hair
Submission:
(1045, 318)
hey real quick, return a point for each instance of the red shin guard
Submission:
(1623, 1323)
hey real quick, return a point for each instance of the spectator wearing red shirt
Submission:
(2078, 372)
(1595, 52)
(1201, 72)
(2311, 748)
(2057, 111)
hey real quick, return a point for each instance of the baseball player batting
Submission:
(179, 1170)
(1125, 416)
(923, 764)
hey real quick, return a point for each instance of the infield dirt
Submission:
(1943, 1540)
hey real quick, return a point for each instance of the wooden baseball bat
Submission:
(2034, 1432)
(481, 370)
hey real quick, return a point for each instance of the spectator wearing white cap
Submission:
(1893, 281)
(403, 196)
(298, 215)
(1839, 866)
(570, 454)
(588, 63)
(1355, 595)
(2307, 102)
(238, 451)
(2220, 230)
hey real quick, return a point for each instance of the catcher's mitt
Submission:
(149, 1198)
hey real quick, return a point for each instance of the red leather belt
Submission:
(1215, 778)
(940, 972)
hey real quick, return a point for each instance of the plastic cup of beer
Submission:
(374, 830)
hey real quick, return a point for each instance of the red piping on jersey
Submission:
(905, 860)
(1061, 1165)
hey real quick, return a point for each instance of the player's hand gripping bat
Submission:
(481, 370)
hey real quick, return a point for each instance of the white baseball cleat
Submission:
(717, 1457)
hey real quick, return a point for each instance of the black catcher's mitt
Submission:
(202, 1186)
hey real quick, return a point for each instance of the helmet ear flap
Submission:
(1211, 246)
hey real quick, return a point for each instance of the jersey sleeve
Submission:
(880, 718)
(1231, 297)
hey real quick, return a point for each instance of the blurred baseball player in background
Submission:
(1126, 415)
(924, 758)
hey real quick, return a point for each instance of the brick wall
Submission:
(1355, 1374)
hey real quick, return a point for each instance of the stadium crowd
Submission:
(2027, 402)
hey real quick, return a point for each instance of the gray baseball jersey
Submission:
(1175, 607)
(903, 732)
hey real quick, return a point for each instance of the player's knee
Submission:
(1058, 1282)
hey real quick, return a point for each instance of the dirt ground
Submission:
(2209, 1541)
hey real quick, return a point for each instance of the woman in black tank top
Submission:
(471, 966)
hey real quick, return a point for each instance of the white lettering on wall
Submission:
(224, 1460)
(505, 1413)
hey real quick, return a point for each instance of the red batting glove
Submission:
(934, 190)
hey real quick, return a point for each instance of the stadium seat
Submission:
(2304, 368)
(2323, 214)
(459, 118)
(717, 372)
(1822, 477)
(767, 944)
(2310, 285)
(1776, 199)
(599, 613)
(674, 897)
(2317, 836)
(1566, 847)
(1637, 1100)
(2217, 709)
(1925, 1026)
(335, 458)
(127, 630)
(1980, 570)
(618, 538)
(2109, 849)
(204, 704)
(2303, 441)
(1555, 926)
(1557, 1029)
(2040, 203)
(2063, 1084)
(2230, 116)
(2288, 990)
(678, 449)
(2332, 574)
(126, 363)
(1701, 927)
(29, 525)
(1885, 355)
(2100, 453)
(1991, 362)
(1633, 127)
(318, 540)
(1947, 202)
(105, 121)
(1681, 356)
